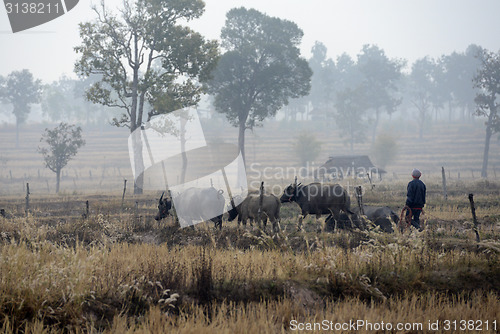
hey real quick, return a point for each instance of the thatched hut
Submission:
(338, 167)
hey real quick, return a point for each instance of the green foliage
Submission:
(381, 76)
(306, 148)
(323, 82)
(64, 100)
(459, 70)
(488, 81)
(261, 70)
(384, 149)
(145, 58)
(58, 100)
(64, 142)
(425, 89)
(20, 89)
(351, 115)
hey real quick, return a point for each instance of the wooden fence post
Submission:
(359, 196)
(372, 186)
(87, 210)
(445, 193)
(261, 202)
(124, 190)
(27, 199)
(473, 209)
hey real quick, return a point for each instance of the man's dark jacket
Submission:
(415, 197)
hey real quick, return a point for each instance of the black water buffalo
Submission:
(318, 199)
(200, 204)
(381, 216)
(194, 204)
(249, 209)
(164, 207)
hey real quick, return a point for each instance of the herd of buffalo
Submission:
(315, 199)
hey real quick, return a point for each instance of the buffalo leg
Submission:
(301, 218)
(336, 217)
(330, 223)
(218, 222)
(275, 223)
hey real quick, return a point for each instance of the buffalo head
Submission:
(233, 209)
(290, 193)
(164, 206)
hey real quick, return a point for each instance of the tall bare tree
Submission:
(487, 99)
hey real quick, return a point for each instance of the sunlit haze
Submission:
(404, 29)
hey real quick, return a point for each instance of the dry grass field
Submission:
(120, 271)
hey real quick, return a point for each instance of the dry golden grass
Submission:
(119, 271)
(114, 286)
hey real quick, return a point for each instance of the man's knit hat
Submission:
(416, 173)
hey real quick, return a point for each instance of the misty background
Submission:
(415, 61)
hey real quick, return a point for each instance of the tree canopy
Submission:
(21, 90)
(487, 99)
(381, 76)
(145, 57)
(148, 63)
(261, 69)
(63, 144)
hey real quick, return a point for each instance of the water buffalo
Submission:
(379, 215)
(200, 204)
(318, 199)
(194, 204)
(164, 207)
(249, 209)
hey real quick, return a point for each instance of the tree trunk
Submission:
(241, 140)
(17, 132)
(421, 127)
(375, 126)
(136, 122)
(489, 132)
(138, 165)
(183, 149)
(351, 130)
(58, 180)
(484, 170)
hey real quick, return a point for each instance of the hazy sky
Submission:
(407, 29)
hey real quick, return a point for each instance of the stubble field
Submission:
(119, 271)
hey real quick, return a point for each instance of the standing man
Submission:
(415, 198)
